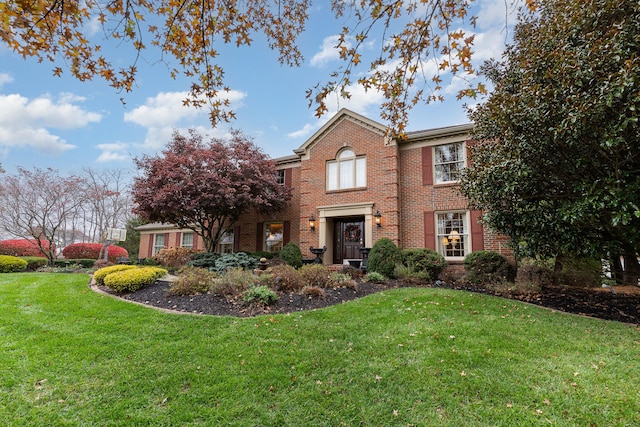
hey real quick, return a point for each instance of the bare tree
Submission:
(38, 204)
(108, 203)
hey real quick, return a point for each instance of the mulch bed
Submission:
(622, 306)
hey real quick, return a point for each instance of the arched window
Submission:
(346, 171)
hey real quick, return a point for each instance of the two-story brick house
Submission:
(352, 185)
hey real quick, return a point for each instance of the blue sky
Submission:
(59, 122)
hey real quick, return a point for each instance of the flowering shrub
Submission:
(100, 274)
(11, 264)
(131, 280)
(93, 251)
(22, 247)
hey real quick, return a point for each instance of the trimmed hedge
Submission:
(131, 280)
(100, 274)
(93, 251)
(22, 247)
(35, 262)
(84, 263)
(12, 264)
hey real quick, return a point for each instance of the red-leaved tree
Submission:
(206, 186)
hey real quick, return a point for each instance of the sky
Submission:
(67, 125)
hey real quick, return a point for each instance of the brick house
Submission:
(352, 185)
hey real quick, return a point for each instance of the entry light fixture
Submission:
(312, 223)
(378, 218)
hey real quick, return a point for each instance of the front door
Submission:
(348, 238)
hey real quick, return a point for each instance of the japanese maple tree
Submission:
(206, 186)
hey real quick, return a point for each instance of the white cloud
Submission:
(113, 152)
(5, 78)
(27, 123)
(328, 52)
(166, 112)
(360, 102)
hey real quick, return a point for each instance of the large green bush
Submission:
(291, 254)
(383, 257)
(133, 279)
(426, 263)
(12, 264)
(488, 267)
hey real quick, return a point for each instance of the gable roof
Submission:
(342, 115)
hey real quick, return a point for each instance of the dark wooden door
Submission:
(348, 239)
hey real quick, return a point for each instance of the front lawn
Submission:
(402, 357)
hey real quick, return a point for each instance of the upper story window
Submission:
(347, 171)
(280, 176)
(186, 241)
(449, 162)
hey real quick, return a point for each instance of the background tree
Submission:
(558, 164)
(409, 35)
(205, 187)
(37, 204)
(132, 243)
(109, 203)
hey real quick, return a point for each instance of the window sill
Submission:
(446, 184)
(346, 190)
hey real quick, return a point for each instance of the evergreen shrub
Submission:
(12, 264)
(291, 254)
(204, 259)
(131, 280)
(35, 262)
(427, 263)
(488, 267)
(100, 274)
(233, 261)
(383, 257)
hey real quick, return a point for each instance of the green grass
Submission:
(420, 357)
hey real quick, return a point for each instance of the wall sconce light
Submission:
(378, 218)
(312, 222)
